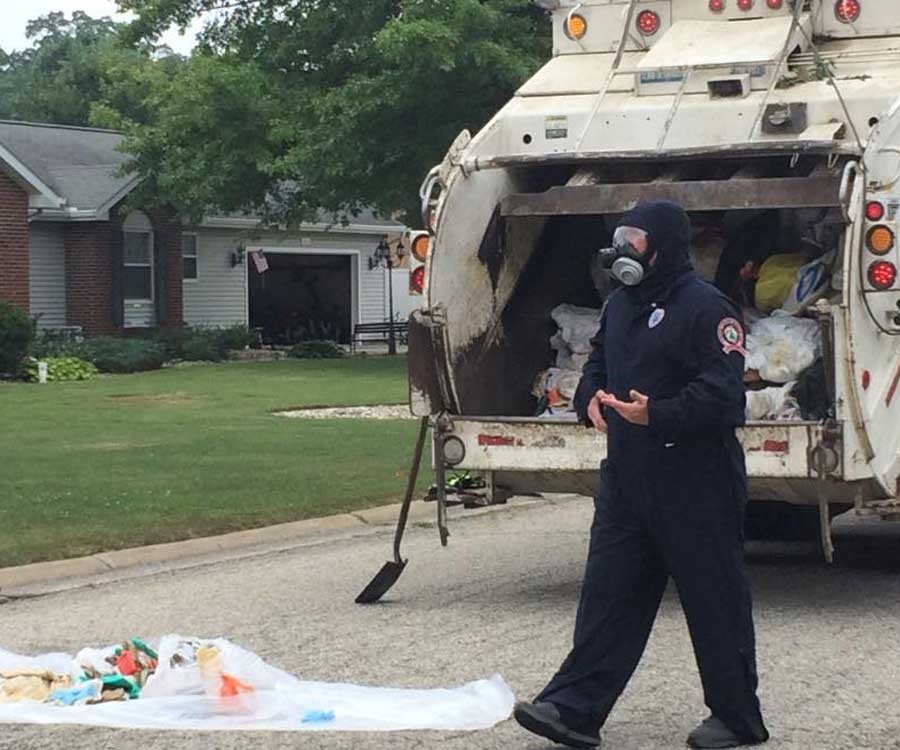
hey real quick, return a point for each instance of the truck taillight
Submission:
(882, 275)
(417, 280)
(648, 22)
(874, 211)
(880, 240)
(717, 6)
(745, 4)
(847, 11)
(775, 4)
(575, 26)
(420, 247)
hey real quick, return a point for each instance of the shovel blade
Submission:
(381, 583)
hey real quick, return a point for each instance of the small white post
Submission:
(42, 372)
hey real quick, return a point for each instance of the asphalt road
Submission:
(500, 599)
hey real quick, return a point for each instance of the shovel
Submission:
(388, 575)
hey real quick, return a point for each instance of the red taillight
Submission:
(866, 379)
(775, 4)
(882, 274)
(717, 6)
(847, 11)
(417, 280)
(745, 4)
(648, 22)
(874, 211)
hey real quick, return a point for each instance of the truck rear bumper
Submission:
(542, 455)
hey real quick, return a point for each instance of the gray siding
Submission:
(219, 296)
(47, 274)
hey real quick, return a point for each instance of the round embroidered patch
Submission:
(731, 336)
(656, 317)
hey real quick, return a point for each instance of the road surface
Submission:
(500, 599)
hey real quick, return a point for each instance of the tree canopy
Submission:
(287, 107)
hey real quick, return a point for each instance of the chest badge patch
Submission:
(731, 336)
(656, 317)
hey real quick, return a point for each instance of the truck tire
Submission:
(770, 521)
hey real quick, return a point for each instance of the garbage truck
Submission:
(776, 123)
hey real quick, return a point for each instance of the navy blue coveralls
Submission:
(672, 494)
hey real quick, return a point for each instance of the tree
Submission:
(65, 72)
(291, 106)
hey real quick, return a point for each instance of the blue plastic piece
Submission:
(82, 692)
(318, 717)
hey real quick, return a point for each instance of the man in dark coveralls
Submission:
(664, 380)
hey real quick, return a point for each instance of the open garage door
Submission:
(301, 296)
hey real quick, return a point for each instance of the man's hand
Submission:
(635, 411)
(595, 410)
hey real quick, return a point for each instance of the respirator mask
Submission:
(624, 260)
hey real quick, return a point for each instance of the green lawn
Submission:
(128, 460)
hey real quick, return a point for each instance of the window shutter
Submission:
(117, 286)
(161, 280)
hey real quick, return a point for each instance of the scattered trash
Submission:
(212, 684)
(777, 277)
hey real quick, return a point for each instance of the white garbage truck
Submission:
(749, 114)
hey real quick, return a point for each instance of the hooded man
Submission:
(664, 380)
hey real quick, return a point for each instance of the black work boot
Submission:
(714, 733)
(547, 720)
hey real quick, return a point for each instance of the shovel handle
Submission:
(410, 487)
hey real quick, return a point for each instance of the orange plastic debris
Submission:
(232, 686)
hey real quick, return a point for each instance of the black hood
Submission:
(669, 230)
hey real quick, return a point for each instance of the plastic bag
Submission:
(777, 277)
(811, 282)
(179, 696)
(773, 404)
(781, 347)
(577, 326)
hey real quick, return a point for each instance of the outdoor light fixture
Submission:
(382, 258)
(237, 257)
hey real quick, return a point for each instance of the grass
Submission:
(129, 460)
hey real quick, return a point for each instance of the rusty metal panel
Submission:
(425, 395)
(702, 195)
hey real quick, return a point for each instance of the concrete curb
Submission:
(59, 575)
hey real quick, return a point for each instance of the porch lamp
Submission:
(383, 258)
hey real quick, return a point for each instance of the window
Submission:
(189, 256)
(138, 266)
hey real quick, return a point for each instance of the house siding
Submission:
(47, 274)
(219, 296)
(13, 243)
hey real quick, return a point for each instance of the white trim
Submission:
(225, 222)
(48, 198)
(355, 278)
(196, 256)
(101, 213)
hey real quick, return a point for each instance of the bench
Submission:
(364, 332)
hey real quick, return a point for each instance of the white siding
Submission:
(219, 296)
(47, 274)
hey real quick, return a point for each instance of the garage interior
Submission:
(302, 297)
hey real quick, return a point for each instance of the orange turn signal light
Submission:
(420, 247)
(880, 240)
(575, 26)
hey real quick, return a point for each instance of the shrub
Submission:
(124, 355)
(171, 340)
(60, 369)
(239, 337)
(316, 350)
(203, 345)
(50, 343)
(16, 333)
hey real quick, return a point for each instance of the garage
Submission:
(302, 296)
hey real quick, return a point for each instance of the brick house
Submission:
(74, 252)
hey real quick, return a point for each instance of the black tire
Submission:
(770, 521)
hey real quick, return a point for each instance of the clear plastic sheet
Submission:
(189, 694)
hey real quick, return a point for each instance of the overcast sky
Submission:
(15, 14)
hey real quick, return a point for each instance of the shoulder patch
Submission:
(656, 317)
(731, 336)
